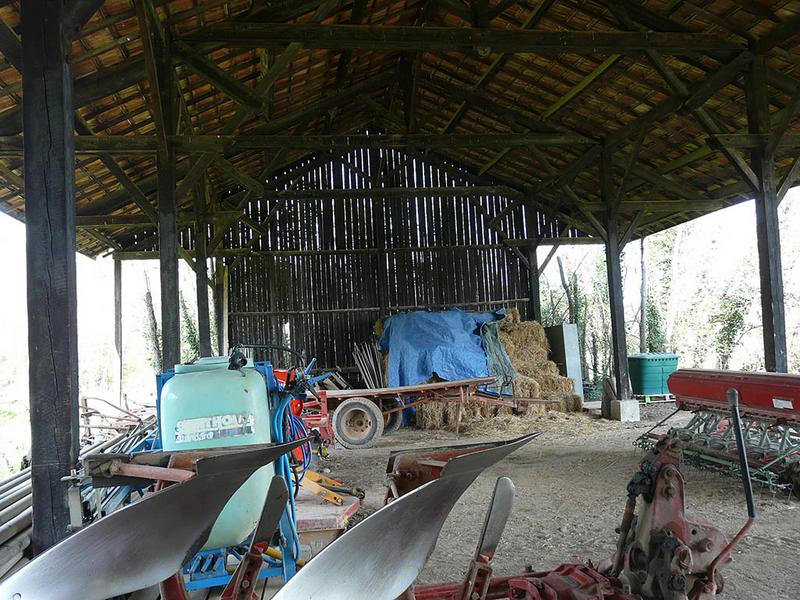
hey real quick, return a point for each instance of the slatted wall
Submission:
(326, 269)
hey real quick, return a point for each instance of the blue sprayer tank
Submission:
(205, 405)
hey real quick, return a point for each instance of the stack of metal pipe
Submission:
(16, 498)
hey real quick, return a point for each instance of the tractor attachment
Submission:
(770, 421)
(662, 554)
(144, 543)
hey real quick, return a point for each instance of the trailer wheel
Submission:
(357, 423)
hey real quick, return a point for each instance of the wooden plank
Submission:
(767, 224)
(339, 37)
(51, 282)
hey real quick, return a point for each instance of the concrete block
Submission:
(625, 410)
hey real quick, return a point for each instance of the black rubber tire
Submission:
(357, 423)
(393, 421)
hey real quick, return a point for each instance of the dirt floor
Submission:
(570, 495)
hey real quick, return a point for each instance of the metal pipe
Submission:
(13, 494)
(14, 548)
(12, 511)
(733, 401)
(14, 480)
(16, 525)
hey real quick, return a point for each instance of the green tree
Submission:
(656, 337)
(729, 322)
(190, 346)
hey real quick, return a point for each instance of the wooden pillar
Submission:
(50, 230)
(201, 270)
(535, 300)
(614, 270)
(118, 321)
(534, 296)
(167, 221)
(643, 300)
(221, 304)
(767, 224)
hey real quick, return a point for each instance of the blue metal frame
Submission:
(207, 568)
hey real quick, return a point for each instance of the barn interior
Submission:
(331, 170)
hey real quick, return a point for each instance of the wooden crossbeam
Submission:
(498, 63)
(338, 37)
(143, 221)
(219, 144)
(78, 14)
(752, 140)
(242, 252)
(208, 70)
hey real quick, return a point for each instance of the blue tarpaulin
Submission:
(447, 344)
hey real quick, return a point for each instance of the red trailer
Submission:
(358, 418)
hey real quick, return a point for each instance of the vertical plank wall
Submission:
(326, 269)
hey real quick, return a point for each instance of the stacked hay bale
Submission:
(537, 378)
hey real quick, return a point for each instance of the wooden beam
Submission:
(78, 14)
(787, 30)
(264, 85)
(118, 323)
(497, 64)
(749, 141)
(208, 70)
(508, 243)
(221, 305)
(145, 222)
(767, 224)
(51, 282)
(534, 297)
(201, 269)
(339, 37)
(10, 45)
(393, 192)
(584, 83)
(614, 273)
(163, 90)
(215, 145)
(789, 179)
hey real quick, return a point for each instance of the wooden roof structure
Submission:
(525, 96)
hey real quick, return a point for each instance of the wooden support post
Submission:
(52, 296)
(164, 99)
(615, 299)
(534, 297)
(201, 269)
(118, 323)
(221, 304)
(535, 301)
(767, 225)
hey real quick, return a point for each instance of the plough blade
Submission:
(383, 555)
(141, 544)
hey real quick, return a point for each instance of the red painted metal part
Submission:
(242, 585)
(566, 582)
(174, 588)
(315, 415)
(773, 395)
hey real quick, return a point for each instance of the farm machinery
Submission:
(662, 553)
(770, 421)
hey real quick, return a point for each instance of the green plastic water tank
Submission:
(649, 372)
(207, 406)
